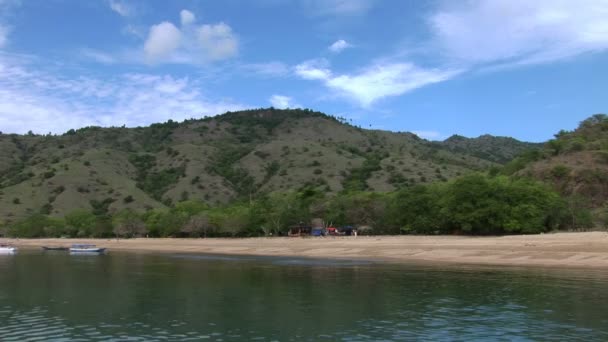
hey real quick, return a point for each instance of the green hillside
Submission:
(222, 159)
(575, 164)
(488, 147)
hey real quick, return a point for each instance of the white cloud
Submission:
(282, 102)
(98, 56)
(162, 41)
(429, 135)
(375, 82)
(186, 17)
(191, 44)
(31, 98)
(520, 31)
(218, 41)
(472, 34)
(120, 7)
(338, 7)
(339, 45)
(315, 69)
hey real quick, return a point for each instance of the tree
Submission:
(80, 223)
(231, 221)
(154, 220)
(198, 225)
(578, 214)
(280, 210)
(556, 146)
(34, 226)
(128, 224)
(478, 204)
(604, 216)
(417, 210)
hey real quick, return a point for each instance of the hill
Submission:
(575, 164)
(497, 149)
(217, 160)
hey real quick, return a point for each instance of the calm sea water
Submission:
(139, 297)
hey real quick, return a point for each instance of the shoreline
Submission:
(585, 249)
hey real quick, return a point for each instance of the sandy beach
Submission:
(587, 249)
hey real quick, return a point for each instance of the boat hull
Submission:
(46, 248)
(87, 250)
(7, 250)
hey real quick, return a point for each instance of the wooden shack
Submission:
(300, 230)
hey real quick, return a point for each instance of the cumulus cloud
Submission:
(120, 7)
(43, 101)
(191, 44)
(374, 82)
(339, 45)
(186, 17)
(520, 31)
(282, 102)
(162, 41)
(218, 41)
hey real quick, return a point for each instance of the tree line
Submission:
(475, 204)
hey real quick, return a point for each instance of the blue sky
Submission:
(516, 68)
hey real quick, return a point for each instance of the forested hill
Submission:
(221, 159)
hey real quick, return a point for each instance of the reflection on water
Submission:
(138, 297)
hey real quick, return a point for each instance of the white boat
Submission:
(83, 248)
(6, 249)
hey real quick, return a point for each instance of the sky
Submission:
(519, 68)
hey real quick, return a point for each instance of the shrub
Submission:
(560, 171)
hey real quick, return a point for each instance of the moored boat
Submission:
(55, 248)
(7, 249)
(86, 248)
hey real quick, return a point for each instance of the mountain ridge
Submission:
(218, 160)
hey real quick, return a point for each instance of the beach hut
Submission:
(318, 227)
(300, 230)
(347, 230)
(318, 231)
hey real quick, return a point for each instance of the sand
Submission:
(586, 249)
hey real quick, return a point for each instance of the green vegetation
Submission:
(256, 172)
(357, 179)
(223, 165)
(482, 205)
(574, 164)
(497, 149)
(474, 204)
(153, 182)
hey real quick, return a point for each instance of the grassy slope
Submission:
(215, 160)
(575, 163)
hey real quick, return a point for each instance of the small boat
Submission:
(83, 248)
(6, 249)
(55, 248)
